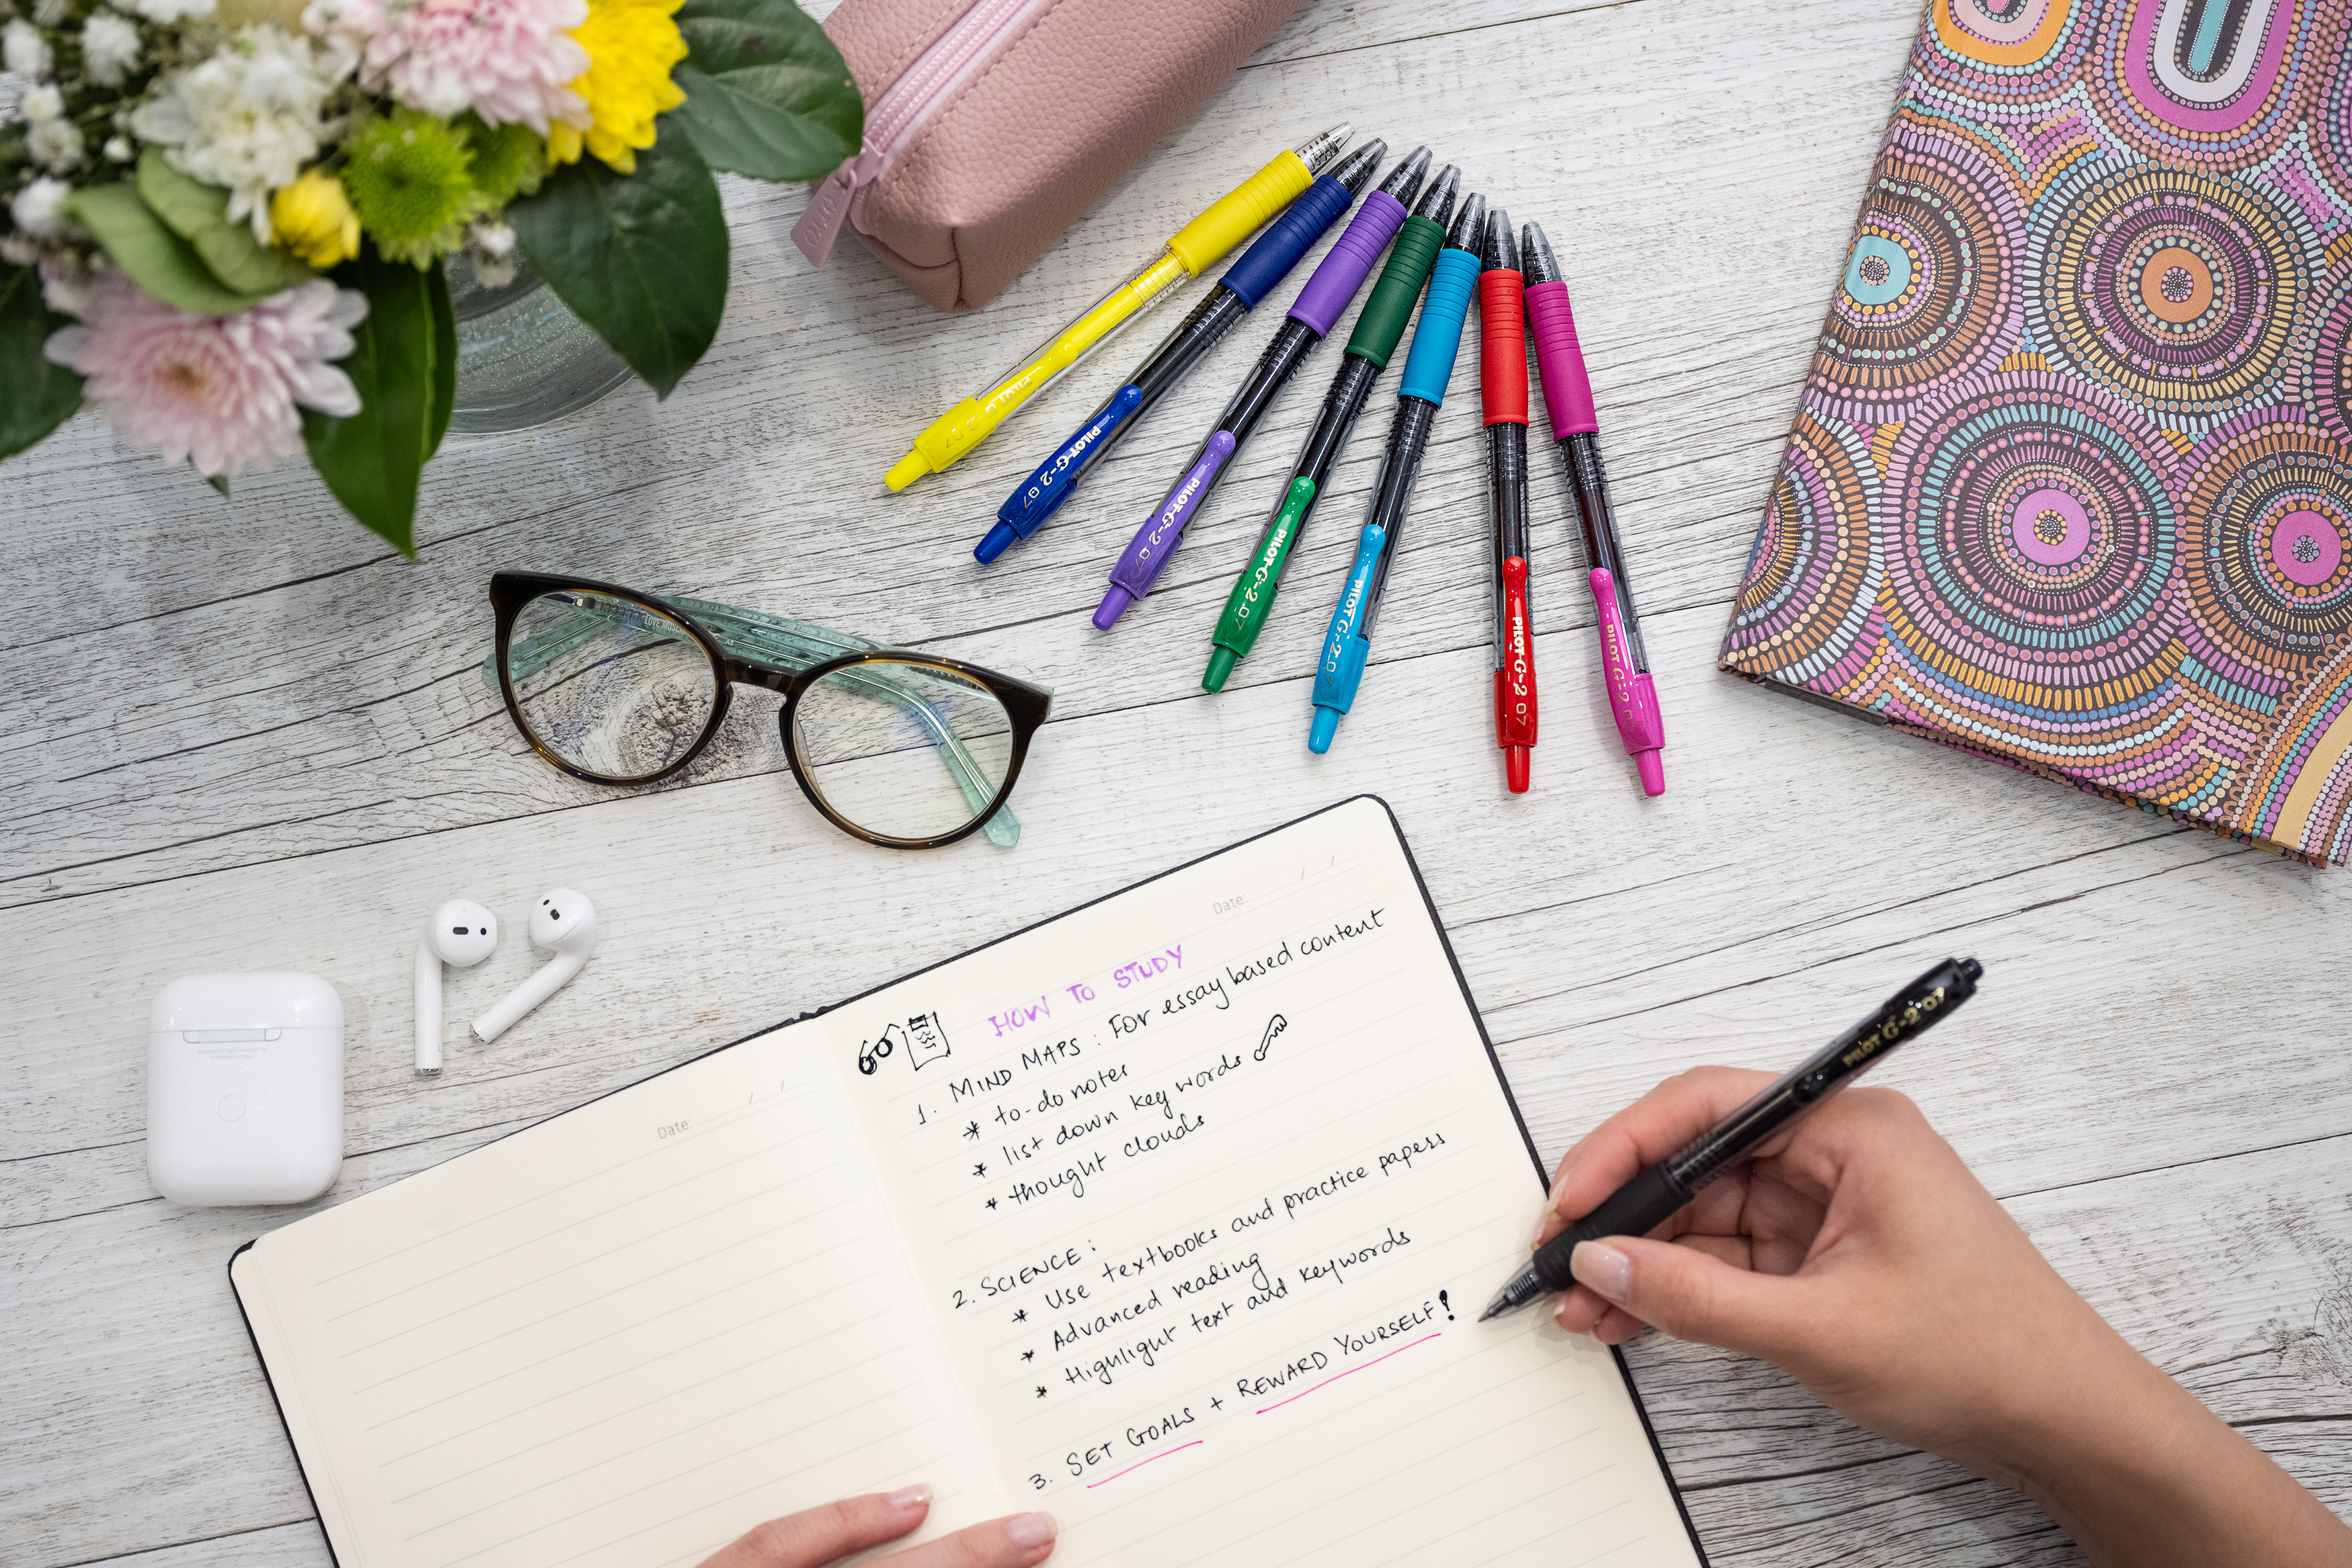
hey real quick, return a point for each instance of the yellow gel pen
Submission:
(1195, 247)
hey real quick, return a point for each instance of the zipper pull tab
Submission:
(828, 209)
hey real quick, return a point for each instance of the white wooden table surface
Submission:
(243, 735)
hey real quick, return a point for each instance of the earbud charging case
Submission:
(245, 1089)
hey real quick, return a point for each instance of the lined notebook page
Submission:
(621, 1337)
(1203, 1187)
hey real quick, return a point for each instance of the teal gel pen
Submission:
(1428, 366)
(1344, 652)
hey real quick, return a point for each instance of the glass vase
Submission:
(523, 359)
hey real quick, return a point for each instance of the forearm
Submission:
(2141, 1475)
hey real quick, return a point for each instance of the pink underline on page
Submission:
(1353, 1370)
(1141, 1463)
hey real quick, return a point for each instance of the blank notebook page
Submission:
(1204, 1186)
(622, 1336)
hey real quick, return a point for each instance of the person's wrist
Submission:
(2102, 1426)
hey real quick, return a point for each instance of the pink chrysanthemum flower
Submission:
(510, 61)
(219, 390)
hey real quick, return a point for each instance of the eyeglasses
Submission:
(907, 750)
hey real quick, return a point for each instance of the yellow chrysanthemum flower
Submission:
(312, 218)
(631, 45)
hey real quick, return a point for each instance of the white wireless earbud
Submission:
(461, 932)
(565, 923)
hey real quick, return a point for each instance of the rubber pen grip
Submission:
(1241, 212)
(1382, 326)
(1290, 237)
(1638, 1208)
(1503, 346)
(1568, 395)
(1347, 263)
(1429, 364)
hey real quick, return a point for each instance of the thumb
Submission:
(1688, 1293)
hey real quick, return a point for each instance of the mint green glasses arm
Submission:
(791, 646)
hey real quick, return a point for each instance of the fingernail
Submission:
(1609, 1271)
(916, 1495)
(1559, 1311)
(1560, 1184)
(1030, 1529)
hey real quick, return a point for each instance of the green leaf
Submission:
(444, 357)
(198, 213)
(219, 482)
(766, 92)
(372, 461)
(150, 254)
(36, 396)
(641, 257)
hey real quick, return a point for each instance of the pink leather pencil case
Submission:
(990, 125)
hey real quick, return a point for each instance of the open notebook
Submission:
(1170, 1215)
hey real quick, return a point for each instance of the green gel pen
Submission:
(1378, 331)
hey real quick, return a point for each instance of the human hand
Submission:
(1860, 1254)
(821, 1535)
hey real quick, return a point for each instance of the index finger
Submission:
(1644, 1133)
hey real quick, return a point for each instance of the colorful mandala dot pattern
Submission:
(2071, 484)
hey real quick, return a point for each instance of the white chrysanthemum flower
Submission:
(247, 118)
(42, 102)
(67, 293)
(55, 145)
(118, 149)
(17, 250)
(23, 49)
(496, 241)
(49, 12)
(172, 10)
(110, 47)
(35, 209)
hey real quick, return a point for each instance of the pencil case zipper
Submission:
(905, 106)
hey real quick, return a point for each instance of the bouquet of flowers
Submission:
(226, 221)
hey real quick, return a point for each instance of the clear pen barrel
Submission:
(1506, 502)
(1580, 465)
(1158, 279)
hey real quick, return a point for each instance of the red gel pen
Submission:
(1633, 696)
(1503, 381)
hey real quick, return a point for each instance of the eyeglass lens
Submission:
(613, 687)
(902, 748)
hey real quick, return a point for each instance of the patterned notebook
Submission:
(2071, 482)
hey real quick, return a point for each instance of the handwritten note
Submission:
(1203, 1212)
(1170, 1216)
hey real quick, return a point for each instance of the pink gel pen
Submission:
(1568, 396)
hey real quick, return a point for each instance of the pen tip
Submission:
(1356, 170)
(1323, 146)
(1498, 249)
(1516, 764)
(1405, 181)
(1653, 772)
(1536, 257)
(1469, 224)
(1436, 203)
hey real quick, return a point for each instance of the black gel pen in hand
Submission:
(1644, 1204)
